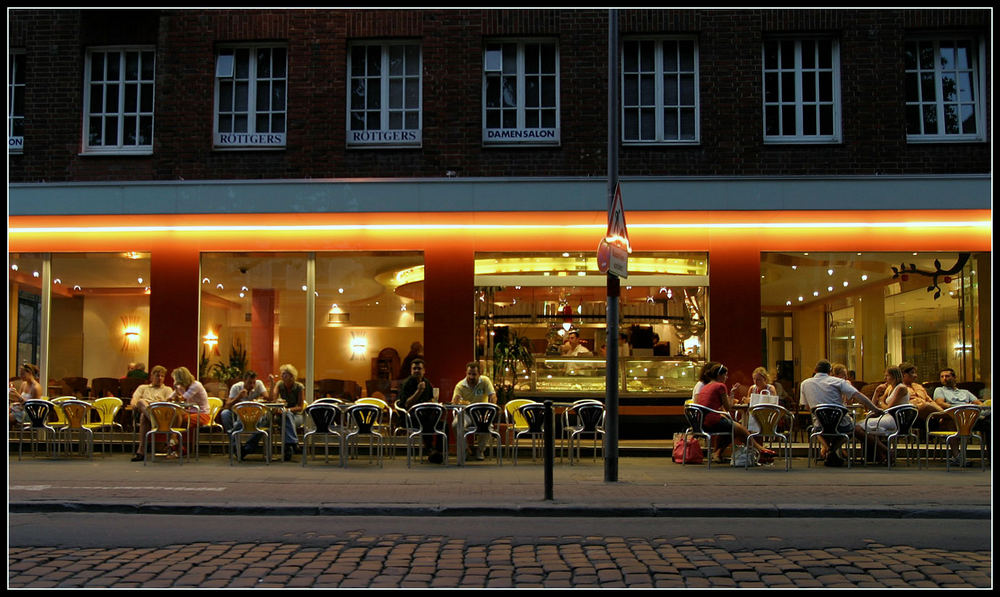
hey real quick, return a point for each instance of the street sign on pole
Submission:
(613, 250)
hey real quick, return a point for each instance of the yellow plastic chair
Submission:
(162, 419)
(515, 420)
(106, 409)
(77, 413)
(964, 417)
(250, 414)
(213, 427)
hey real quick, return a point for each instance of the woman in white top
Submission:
(189, 390)
(897, 395)
(27, 389)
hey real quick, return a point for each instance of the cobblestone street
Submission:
(396, 560)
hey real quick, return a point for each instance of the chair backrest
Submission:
(77, 413)
(482, 415)
(590, 415)
(534, 415)
(328, 401)
(905, 415)
(128, 386)
(38, 412)
(58, 409)
(426, 416)
(104, 386)
(768, 416)
(965, 417)
(365, 416)
(214, 406)
(76, 386)
(107, 408)
(829, 416)
(250, 414)
(325, 416)
(386, 412)
(514, 414)
(163, 414)
(695, 415)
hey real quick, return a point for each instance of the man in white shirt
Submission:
(948, 395)
(573, 348)
(250, 388)
(474, 388)
(144, 395)
(823, 388)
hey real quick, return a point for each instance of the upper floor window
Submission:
(943, 90)
(660, 91)
(521, 93)
(15, 103)
(118, 101)
(385, 94)
(801, 91)
(250, 87)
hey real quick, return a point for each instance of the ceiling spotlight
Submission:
(205, 281)
(815, 293)
(340, 290)
(13, 267)
(829, 288)
(139, 280)
(864, 277)
(304, 288)
(219, 286)
(57, 281)
(795, 267)
(845, 283)
(788, 303)
(829, 272)
(800, 299)
(34, 274)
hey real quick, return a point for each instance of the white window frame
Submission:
(801, 107)
(520, 135)
(974, 70)
(145, 86)
(16, 85)
(386, 135)
(225, 71)
(659, 105)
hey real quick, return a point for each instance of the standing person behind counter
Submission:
(572, 346)
(294, 396)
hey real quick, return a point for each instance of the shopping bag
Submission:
(693, 453)
(741, 454)
(764, 397)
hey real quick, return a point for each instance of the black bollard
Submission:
(549, 449)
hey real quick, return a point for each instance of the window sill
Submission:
(116, 153)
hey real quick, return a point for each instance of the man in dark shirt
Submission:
(415, 390)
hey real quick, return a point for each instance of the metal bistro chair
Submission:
(904, 415)
(964, 417)
(482, 417)
(534, 416)
(106, 409)
(695, 415)
(769, 418)
(250, 415)
(828, 418)
(425, 418)
(365, 418)
(37, 411)
(77, 414)
(571, 421)
(590, 421)
(326, 418)
(385, 422)
(402, 424)
(515, 420)
(162, 419)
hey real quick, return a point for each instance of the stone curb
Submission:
(532, 510)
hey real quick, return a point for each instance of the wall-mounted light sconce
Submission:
(131, 333)
(359, 345)
(336, 315)
(211, 340)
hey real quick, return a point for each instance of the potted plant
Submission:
(235, 368)
(510, 354)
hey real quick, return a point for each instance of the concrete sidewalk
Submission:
(647, 487)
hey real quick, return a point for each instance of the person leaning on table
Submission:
(472, 389)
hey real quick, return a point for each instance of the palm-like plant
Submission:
(509, 355)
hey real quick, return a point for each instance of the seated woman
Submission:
(189, 390)
(714, 395)
(896, 394)
(26, 389)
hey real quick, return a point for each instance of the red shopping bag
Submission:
(687, 450)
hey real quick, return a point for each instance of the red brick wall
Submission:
(452, 40)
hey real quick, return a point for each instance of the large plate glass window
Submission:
(943, 89)
(15, 103)
(660, 91)
(250, 97)
(118, 100)
(801, 91)
(521, 93)
(384, 94)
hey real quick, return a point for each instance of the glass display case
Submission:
(641, 376)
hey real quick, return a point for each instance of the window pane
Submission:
(263, 95)
(131, 66)
(278, 96)
(96, 99)
(808, 120)
(509, 119)
(825, 87)
(648, 124)
(492, 92)
(788, 87)
(548, 58)
(111, 131)
(826, 120)
(950, 119)
(930, 120)
(412, 120)
(630, 56)
(686, 48)
(913, 120)
(148, 61)
(357, 121)
(374, 121)
(771, 120)
(687, 90)
(788, 120)
(910, 85)
(531, 92)
(225, 96)
(531, 119)
(241, 123)
(413, 93)
(146, 98)
(968, 120)
(670, 131)
(95, 129)
(670, 90)
(669, 55)
(630, 124)
(358, 94)
(531, 59)
(242, 59)
(646, 56)
(396, 60)
(225, 124)
(277, 123)
(647, 90)
(145, 130)
(129, 130)
(509, 58)
(509, 92)
(412, 60)
(395, 120)
(927, 88)
(114, 66)
(687, 123)
(263, 63)
(357, 61)
(263, 123)
(631, 90)
(825, 54)
(97, 66)
(808, 54)
(787, 54)
(111, 98)
(771, 55)
(278, 62)
(242, 97)
(771, 87)
(374, 99)
(130, 97)
(395, 93)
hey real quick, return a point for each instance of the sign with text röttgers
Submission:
(613, 250)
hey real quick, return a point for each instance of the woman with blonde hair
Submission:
(189, 390)
(293, 394)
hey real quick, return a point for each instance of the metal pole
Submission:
(549, 449)
(614, 286)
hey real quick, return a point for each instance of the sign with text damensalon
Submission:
(382, 138)
(249, 139)
(521, 136)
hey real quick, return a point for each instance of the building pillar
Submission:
(734, 310)
(263, 330)
(174, 294)
(449, 313)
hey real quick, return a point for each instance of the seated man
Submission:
(823, 388)
(417, 389)
(250, 389)
(474, 388)
(949, 395)
(144, 395)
